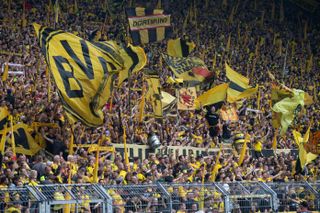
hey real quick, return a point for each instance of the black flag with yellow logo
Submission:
(148, 25)
(82, 72)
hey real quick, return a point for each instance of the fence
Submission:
(161, 197)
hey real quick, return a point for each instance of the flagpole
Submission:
(96, 164)
(13, 144)
(285, 61)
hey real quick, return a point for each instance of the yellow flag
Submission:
(244, 149)
(153, 94)
(96, 163)
(286, 109)
(3, 139)
(239, 87)
(179, 47)
(82, 71)
(5, 73)
(215, 169)
(134, 59)
(212, 96)
(4, 114)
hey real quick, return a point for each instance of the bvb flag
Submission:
(190, 69)
(239, 87)
(154, 94)
(134, 60)
(24, 142)
(83, 72)
(4, 115)
(179, 47)
(148, 25)
(186, 98)
(215, 95)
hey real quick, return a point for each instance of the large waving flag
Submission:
(287, 109)
(82, 71)
(215, 95)
(239, 87)
(180, 47)
(154, 94)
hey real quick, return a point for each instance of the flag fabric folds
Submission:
(190, 69)
(24, 142)
(239, 87)
(82, 71)
(186, 98)
(304, 157)
(287, 108)
(134, 60)
(4, 114)
(153, 94)
(179, 47)
(167, 100)
(215, 95)
(148, 25)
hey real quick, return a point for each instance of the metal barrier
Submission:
(194, 197)
(161, 197)
(291, 194)
(139, 198)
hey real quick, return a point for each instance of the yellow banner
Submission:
(147, 22)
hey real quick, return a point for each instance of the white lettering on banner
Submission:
(146, 22)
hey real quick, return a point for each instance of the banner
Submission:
(134, 60)
(186, 98)
(148, 25)
(179, 47)
(239, 87)
(189, 69)
(82, 71)
(154, 94)
(24, 142)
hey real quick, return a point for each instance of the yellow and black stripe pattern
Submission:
(179, 47)
(83, 72)
(4, 114)
(148, 25)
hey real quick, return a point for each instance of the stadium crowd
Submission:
(255, 47)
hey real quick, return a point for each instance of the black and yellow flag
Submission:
(148, 25)
(154, 94)
(215, 95)
(179, 47)
(24, 142)
(4, 114)
(82, 71)
(239, 86)
(190, 69)
(134, 60)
